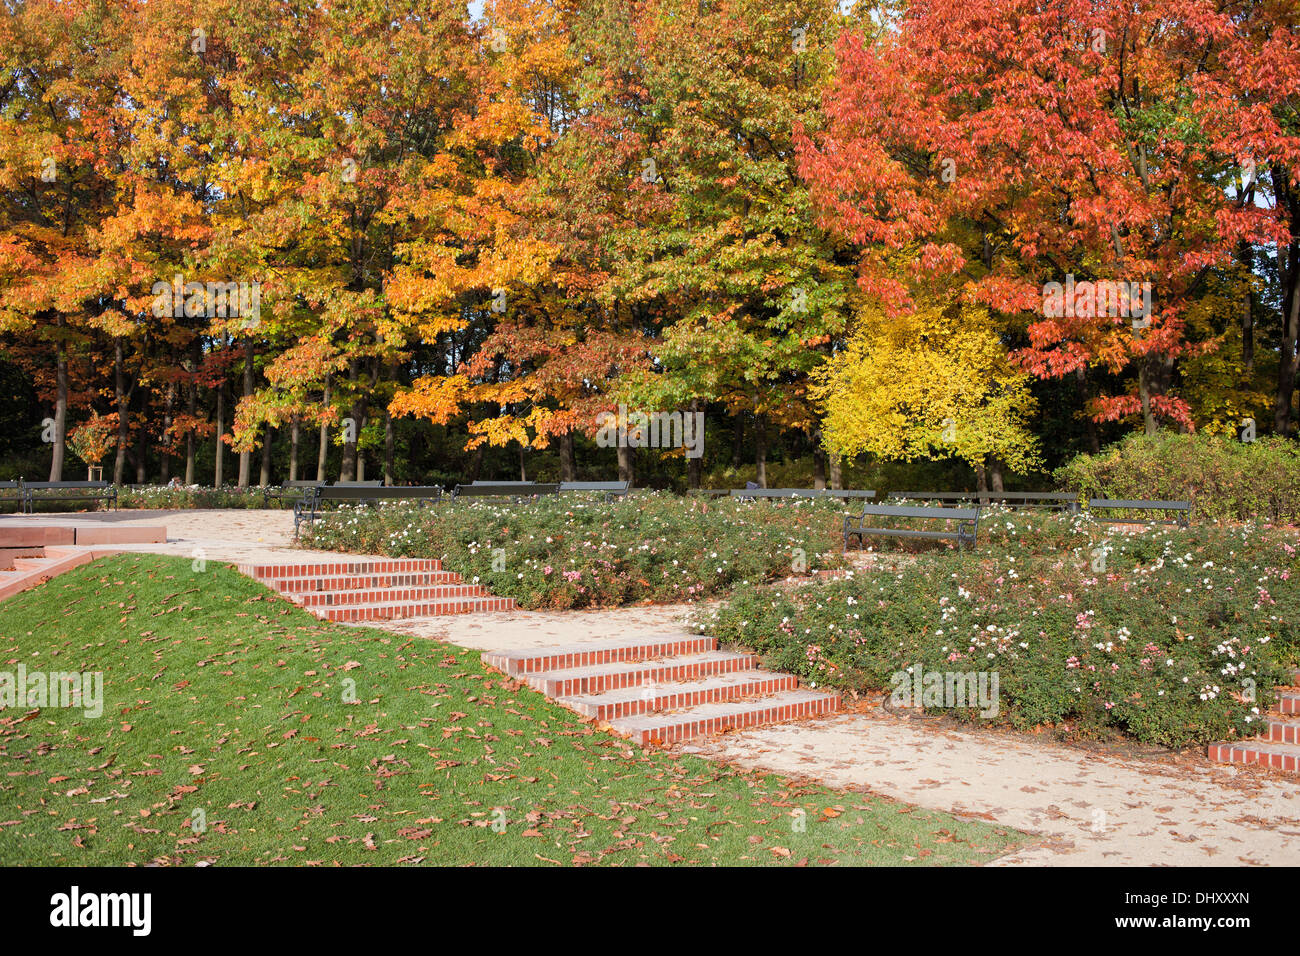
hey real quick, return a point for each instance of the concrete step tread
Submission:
(649, 640)
(704, 719)
(315, 567)
(383, 579)
(628, 667)
(472, 599)
(675, 688)
(395, 594)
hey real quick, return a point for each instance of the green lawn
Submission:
(224, 698)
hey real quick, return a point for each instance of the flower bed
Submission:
(1157, 633)
(572, 552)
(193, 496)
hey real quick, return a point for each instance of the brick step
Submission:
(535, 660)
(1279, 756)
(671, 726)
(313, 599)
(676, 695)
(1279, 731)
(598, 678)
(355, 582)
(1288, 702)
(343, 566)
(385, 611)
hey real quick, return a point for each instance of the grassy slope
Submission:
(223, 697)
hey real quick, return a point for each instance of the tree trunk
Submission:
(60, 407)
(819, 468)
(192, 406)
(837, 472)
(264, 478)
(388, 448)
(995, 474)
(1247, 312)
(1289, 350)
(142, 446)
(246, 457)
(295, 436)
(1288, 273)
(322, 457)
(1144, 394)
(568, 469)
(219, 462)
(695, 466)
(523, 470)
(476, 464)
(123, 401)
(626, 466)
(760, 450)
(982, 483)
(166, 463)
(737, 439)
(348, 472)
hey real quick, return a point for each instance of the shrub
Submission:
(1225, 479)
(192, 496)
(571, 551)
(1159, 642)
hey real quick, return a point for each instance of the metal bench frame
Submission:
(1117, 504)
(518, 490)
(108, 492)
(967, 523)
(279, 492)
(309, 507)
(1051, 500)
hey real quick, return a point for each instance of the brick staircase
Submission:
(375, 589)
(663, 689)
(1278, 743)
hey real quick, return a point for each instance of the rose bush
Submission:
(1175, 636)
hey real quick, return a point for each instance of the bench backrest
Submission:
(376, 493)
(992, 496)
(295, 483)
(1140, 505)
(800, 493)
(11, 484)
(357, 484)
(907, 511)
(65, 484)
(505, 489)
(619, 487)
(503, 482)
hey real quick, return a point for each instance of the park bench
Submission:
(12, 491)
(67, 491)
(1052, 500)
(309, 507)
(967, 523)
(295, 488)
(612, 489)
(1182, 510)
(504, 489)
(845, 494)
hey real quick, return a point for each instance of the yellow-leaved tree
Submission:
(932, 383)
